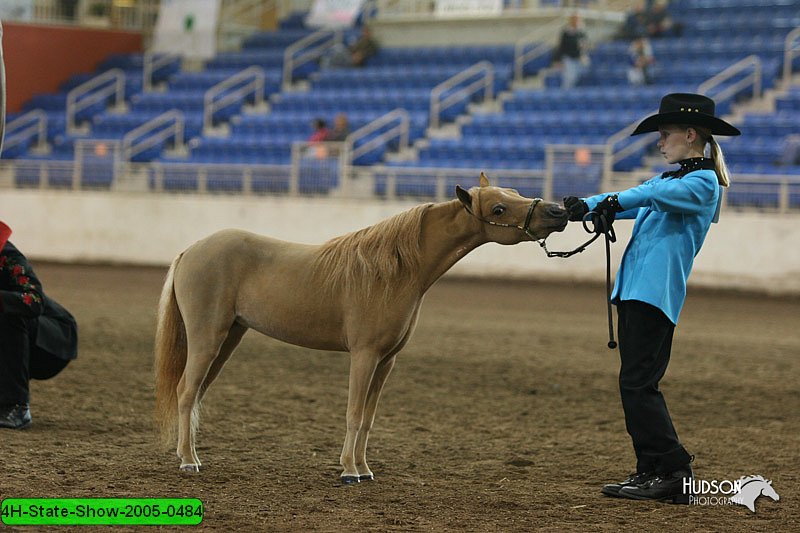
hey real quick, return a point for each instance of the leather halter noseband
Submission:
(526, 229)
(541, 242)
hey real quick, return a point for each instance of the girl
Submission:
(673, 213)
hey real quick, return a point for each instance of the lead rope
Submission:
(610, 236)
(607, 230)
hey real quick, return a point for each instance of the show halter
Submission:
(601, 227)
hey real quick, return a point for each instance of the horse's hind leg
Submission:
(362, 368)
(373, 396)
(203, 348)
(235, 335)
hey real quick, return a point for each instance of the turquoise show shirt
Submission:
(673, 216)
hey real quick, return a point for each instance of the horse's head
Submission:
(767, 490)
(511, 218)
(751, 488)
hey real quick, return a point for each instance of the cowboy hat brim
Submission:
(716, 125)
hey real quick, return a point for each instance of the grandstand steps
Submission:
(262, 109)
(298, 86)
(192, 65)
(445, 131)
(532, 82)
(133, 180)
(218, 131)
(406, 154)
(6, 175)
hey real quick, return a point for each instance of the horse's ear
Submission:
(465, 197)
(484, 180)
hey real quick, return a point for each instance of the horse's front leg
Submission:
(362, 367)
(374, 395)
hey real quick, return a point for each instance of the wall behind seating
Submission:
(505, 29)
(39, 58)
(744, 251)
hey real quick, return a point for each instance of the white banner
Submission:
(334, 13)
(188, 28)
(460, 8)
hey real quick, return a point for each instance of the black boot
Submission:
(15, 416)
(636, 478)
(663, 487)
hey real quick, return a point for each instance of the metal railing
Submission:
(399, 131)
(791, 50)
(309, 48)
(151, 62)
(749, 192)
(544, 38)
(255, 86)
(440, 103)
(750, 62)
(21, 129)
(434, 183)
(97, 89)
(136, 141)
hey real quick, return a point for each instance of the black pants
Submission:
(645, 341)
(21, 360)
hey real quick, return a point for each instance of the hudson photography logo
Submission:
(743, 491)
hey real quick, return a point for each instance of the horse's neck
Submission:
(448, 234)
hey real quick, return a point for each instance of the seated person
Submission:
(38, 337)
(356, 54)
(341, 128)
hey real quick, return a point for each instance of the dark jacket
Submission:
(21, 294)
(572, 44)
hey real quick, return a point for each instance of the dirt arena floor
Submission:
(502, 414)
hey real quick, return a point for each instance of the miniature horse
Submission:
(362, 292)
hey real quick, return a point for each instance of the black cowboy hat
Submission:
(686, 108)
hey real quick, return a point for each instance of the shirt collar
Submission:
(690, 165)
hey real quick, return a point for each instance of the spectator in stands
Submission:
(320, 132)
(341, 128)
(356, 54)
(659, 23)
(570, 55)
(673, 213)
(635, 24)
(38, 337)
(642, 62)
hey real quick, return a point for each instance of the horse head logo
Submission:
(751, 488)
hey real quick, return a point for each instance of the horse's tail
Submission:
(170, 357)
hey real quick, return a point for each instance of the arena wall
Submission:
(39, 58)
(745, 251)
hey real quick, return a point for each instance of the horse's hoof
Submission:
(350, 480)
(366, 477)
(190, 469)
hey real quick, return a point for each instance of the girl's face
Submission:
(674, 143)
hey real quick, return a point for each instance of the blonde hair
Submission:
(715, 153)
(715, 150)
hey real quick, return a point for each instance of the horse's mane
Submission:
(745, 480)
(377, 257)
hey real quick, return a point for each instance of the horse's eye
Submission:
(498, 210)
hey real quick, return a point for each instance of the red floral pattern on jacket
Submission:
(20, 290)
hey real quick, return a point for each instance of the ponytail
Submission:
(721, 168)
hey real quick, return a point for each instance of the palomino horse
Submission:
(362, 293)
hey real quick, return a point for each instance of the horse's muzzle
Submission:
(556, 217)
